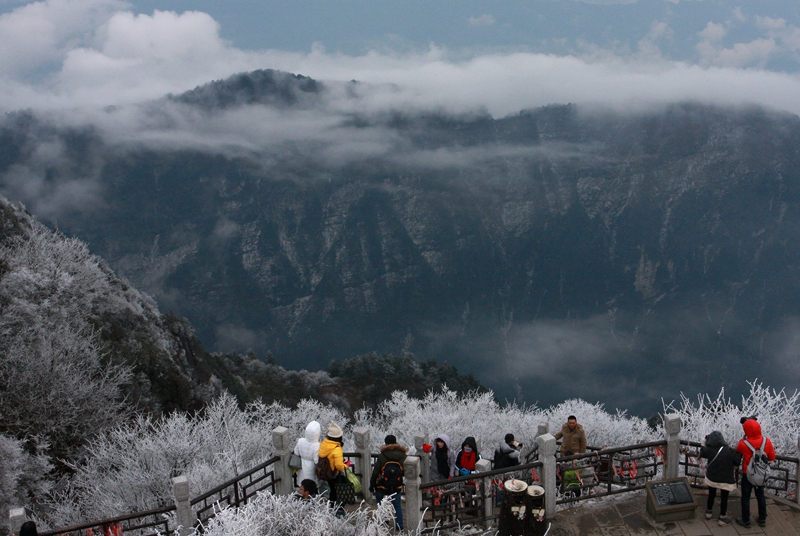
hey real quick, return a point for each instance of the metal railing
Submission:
(160, 521)
(462, 500)
(608, 471)
(236, 491)
(783, 478)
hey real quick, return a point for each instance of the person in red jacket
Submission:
(752, 435)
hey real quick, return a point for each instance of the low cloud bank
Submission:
(63, 54)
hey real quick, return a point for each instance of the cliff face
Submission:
(549, 251)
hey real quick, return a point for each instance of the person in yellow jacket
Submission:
(331, 448)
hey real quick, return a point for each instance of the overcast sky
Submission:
(499, 55)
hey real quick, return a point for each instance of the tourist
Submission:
(574, 437)
(387, 476)
(507, 454)
(468, 456)
(307, 490)
(28, 529)
(443, 459)
(331, 449)
(308, 449)
(719, 474)
(753, 438)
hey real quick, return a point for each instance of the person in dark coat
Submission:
(391, 451)
(28, 529)
(722, 462)
(507, 454)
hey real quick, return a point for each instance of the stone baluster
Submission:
(184, 512)
(797, 475)
(362, 440)
(424, 457)
(412, 515)
(672, 428)
(16, 517)
(281, 445)
(547, 455)
(482, 466)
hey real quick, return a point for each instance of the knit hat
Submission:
(334, 431)
(390, 439)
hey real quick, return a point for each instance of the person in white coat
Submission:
(308, 449)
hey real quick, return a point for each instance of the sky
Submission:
(459, 54)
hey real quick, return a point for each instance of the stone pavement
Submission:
(626, 516)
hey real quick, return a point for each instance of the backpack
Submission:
(501, 459)
(758, 467)
(323, 470)
(391, 479)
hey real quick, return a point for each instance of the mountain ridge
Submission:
(549, 248)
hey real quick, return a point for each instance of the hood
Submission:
(505, 448)
(393, 446)
(327, 446)
(715, 440)
(752, 430)
(313, 431)
(470, 441)
(443, 437)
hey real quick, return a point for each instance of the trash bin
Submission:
(535, 524)
(515, 508)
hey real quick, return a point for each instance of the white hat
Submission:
(334, 431)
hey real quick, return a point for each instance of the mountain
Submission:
(82, 351)
(558, 252)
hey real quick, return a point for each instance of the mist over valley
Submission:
(562, 251)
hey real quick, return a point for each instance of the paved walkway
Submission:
(627, 517)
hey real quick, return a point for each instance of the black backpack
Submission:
(501, 459)
(323, 470)
(391, 479)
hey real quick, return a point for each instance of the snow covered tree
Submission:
(55, 382)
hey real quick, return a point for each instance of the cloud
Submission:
(64, 54)
(648, 48)
(713, 52)
(610, 2)
(787, 35)
(483, 20)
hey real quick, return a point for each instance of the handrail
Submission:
(111, 520)
(234, 480)
(484, 474)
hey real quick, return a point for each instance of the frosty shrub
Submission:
(778, 413)
(130, 468)
(270, 515)
(480, 415)
(602, 428)
(22, 475)
(296, 419)
(54, 382)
